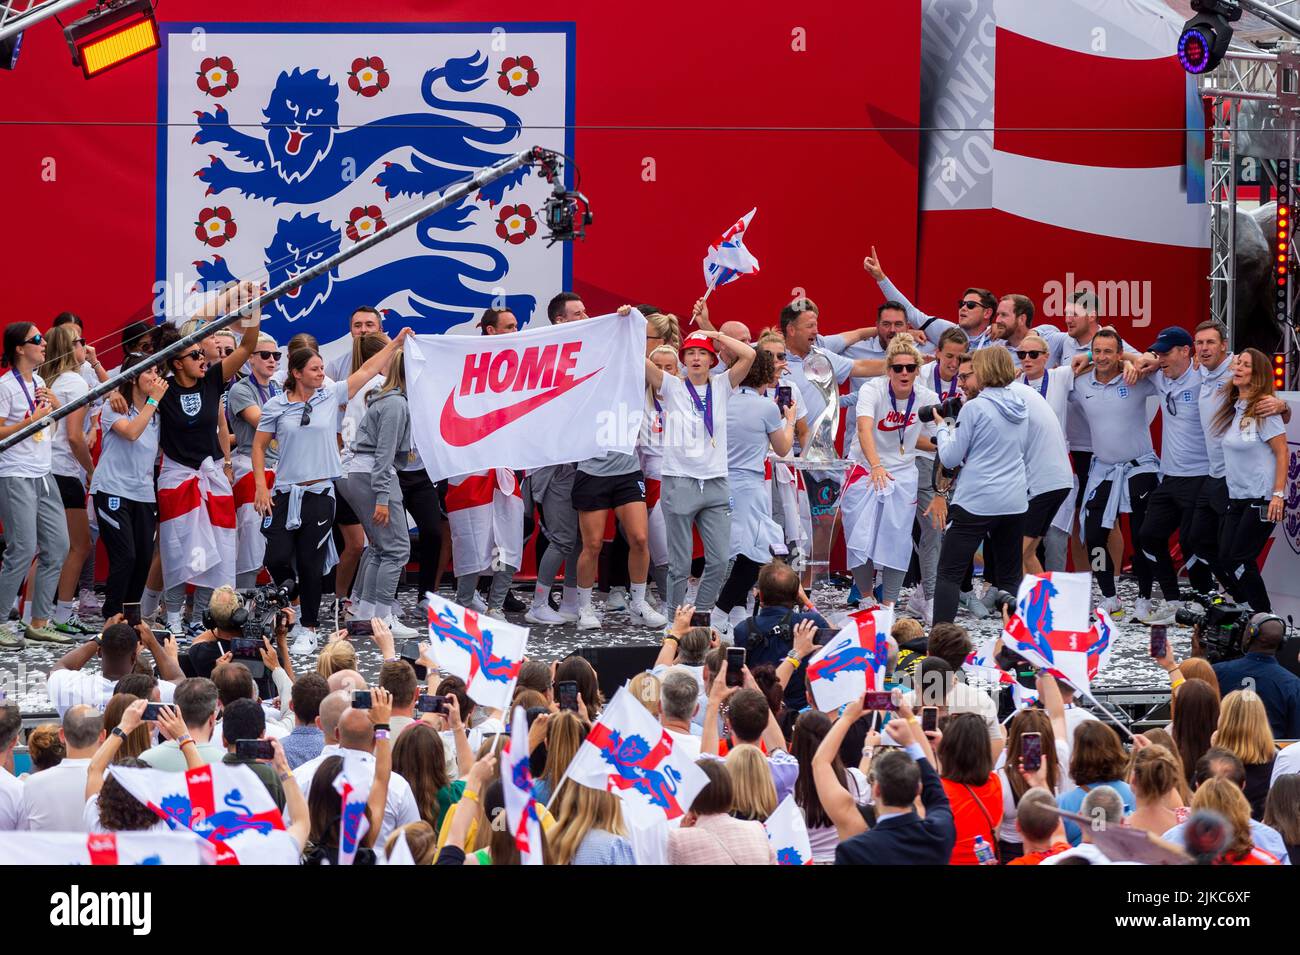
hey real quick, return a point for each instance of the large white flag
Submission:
(101, 848)
(527, 399)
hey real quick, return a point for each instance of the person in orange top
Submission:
(1040, 826)
(973, 789)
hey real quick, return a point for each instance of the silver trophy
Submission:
(823, 428)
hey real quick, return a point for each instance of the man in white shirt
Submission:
(350, 731)
(56, 797)
(366, 320)
(13, 799)
(196, 698)
(679, 701)
(117, 647)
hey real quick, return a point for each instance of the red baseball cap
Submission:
(699, 340)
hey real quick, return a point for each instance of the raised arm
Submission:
(375, 364)
(252, 326)
(294, 801)
(381, 709)
(700, 316)
(1050, 694)
(868, 367)
(744, 353)
(654, 375)
(782, 441)
(839, 804)
(107, 751)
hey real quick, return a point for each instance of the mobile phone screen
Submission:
(152, 711)
(1159, 640)
(361, 699)
(929, 719)
(879, 700)
(131, 612)
(700, 618)
(360, 628)
(244, 648)
(429, 703)
(1031, 751)
(735, 666)
(254, 749)
(567, 691)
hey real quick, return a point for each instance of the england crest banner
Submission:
(100, 848)
(1051, 628)
(353, 786)
(283, 143)
(517, 788)
(226, 805)
(483, 651)
(854, 661)
(629, 754)
(527, 399)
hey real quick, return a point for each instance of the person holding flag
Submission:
(517, 782)
(695, 490)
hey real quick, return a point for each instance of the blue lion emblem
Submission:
(788, 856)
(219, 825)
(302, 133)
(353, 813)
(634, 762)
(1035, 610)
(302, 241)
(832, 665)
(477, 643)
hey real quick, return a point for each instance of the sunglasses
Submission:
(226, 352)
(1030, 353)
(79, 341)
(970, 303)
(900, 369)
(35, 340)
(306, 414)
(778, 355)
(196, 355)
(268, 355)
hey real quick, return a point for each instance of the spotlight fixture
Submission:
(1282, 232)
(1206, 35)
(111, 34)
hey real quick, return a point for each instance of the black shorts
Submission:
(1042, 508)
(1081, 461)
(592, 493)
(72, 491)
(343, 513)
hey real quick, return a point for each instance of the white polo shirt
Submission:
(56, 797)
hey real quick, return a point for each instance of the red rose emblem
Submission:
(217, 75)
(368, 77)
(215, 227)
(517, 75)
(364, 221)
(516, 224)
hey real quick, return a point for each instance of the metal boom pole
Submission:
(454, 194)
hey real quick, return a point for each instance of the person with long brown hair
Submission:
(1255, 458)
(1194, 708)
(421, 759)
(1154, 777)
(1097, 758)
(1014, 784)
(810, 729)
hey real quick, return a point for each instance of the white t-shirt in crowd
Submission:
(689, 451)
(13, 802)
(67, 688)
(69, 386)
(685, 743)
(56, 797)
(398, 811)
(896, 423)
(30, 458)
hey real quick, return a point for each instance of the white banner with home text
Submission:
(527, 399)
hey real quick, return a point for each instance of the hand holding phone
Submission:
(254, 749)
(735, 666)
(700, 619)
(929, 719)
(152, 711)
(360, 628)
(361, 700)
(131, 614)
(1159, 641)
(430, 703)
(1031, 751)
(567, 694)
(881, 700)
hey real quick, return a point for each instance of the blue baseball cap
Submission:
(1171, 337)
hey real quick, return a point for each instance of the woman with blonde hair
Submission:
(662, 329)
(1255, 459)
(1154, 776)
(1225, 797)
(589, 828)
(753, 794)
(878, 503)
(645, 687)
(988, 441)
(337, 655)
(1244, 731)
(382, 445)
(565, 732)
(421, 840)
(72, 466)
(244, 403)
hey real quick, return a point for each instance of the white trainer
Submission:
(1142, 609)
(1112, 606)
(478, 603)
(587, 619)
(1158, 613)
(643, 615)
(305, 642)
(617, 599)
(541, 613)
(400, 629)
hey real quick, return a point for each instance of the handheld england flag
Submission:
(517, 787)
(629, 754)
(100, 848)
(227, 805)
(1050, 627)
(788, 833)
(484, 652)
(353, 786)
(727, 258)
(854, 661)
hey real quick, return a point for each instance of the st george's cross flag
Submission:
(353, 786)
(854, 661)
(727, 259)
(1050, 627)
(101, 848)
(517, 789)
(483, 651)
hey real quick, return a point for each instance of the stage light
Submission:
(112, 34)
(1279, 372)
(1206, 35)
(1282, 241)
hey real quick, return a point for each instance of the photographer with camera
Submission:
(989, 440)
(233, 616)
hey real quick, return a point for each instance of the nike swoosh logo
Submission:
(459, 431)
(321, 523)
(890, 427)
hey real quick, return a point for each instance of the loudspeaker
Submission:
(616, 665)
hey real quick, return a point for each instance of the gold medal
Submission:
(275, 444)
(40, 435)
